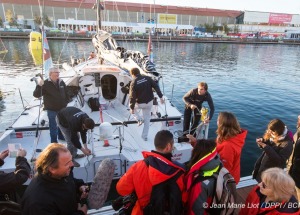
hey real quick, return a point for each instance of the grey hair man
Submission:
(54, 92)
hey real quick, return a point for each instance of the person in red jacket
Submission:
(273, 195)
(204, 163)
(140, 178)
(230, 141)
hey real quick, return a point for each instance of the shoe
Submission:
(79, 156)
(145, 138)
(140, 122)
(75, 163)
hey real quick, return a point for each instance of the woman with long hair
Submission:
(277, 146)
(273, 195)
(199, 182)
(230, 141)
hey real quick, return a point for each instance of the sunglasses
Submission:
(264, 185)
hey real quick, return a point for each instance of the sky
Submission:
(275, 6)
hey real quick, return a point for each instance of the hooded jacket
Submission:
(55, 96)
(140, 178)
(230, 151)
(253, 205)
(201, 193)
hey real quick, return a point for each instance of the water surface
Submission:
(255, 82)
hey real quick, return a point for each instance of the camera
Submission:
(124, 204)
(183, 139)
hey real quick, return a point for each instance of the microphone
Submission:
(101, 184)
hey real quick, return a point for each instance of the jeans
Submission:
(187, 120)
(54, 129)
(68, 135)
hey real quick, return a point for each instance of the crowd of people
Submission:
(54, 190)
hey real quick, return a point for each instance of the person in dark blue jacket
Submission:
(72, 120)
(141, 97)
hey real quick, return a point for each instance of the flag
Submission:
(149, 49)
(46, 56)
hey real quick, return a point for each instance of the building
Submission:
(115, 12)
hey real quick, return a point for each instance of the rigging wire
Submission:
(40, 105)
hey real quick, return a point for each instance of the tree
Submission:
(38, 20)
(208, 28)
(1, 22)
(236, 29)
(47, 21)
(226, 29)
(13, 22)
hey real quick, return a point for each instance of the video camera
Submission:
(124, 204)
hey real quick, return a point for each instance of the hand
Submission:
(4, 154)
(86, 151)
(193, 107)
(260, 143)
(162, 101)
(132, 111)
(206, 120)
(41, 82)
(82, 208)
(21, 153)
(84, 190)
(192, 139)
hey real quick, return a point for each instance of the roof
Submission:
(135, 7)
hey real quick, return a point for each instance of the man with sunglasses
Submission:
(72, 120)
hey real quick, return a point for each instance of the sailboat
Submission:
(117, 134)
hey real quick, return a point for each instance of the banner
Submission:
(167, 18)
(279, 18)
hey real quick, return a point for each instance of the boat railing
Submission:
(169, 92)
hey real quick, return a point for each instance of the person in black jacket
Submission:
(141, 96)
(72, 120)
(193, 100)
(294, 161)
(277, 146)
(54, 190)
(55, 98)
(10, 181)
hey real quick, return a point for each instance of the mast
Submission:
(98, 16)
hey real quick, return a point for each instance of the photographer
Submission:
(9, 181)
(277, 146)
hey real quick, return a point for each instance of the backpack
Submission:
(94, 104)
(165, 198)
(225, 192)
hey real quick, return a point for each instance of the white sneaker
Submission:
(140, 122)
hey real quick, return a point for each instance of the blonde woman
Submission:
(273, 195)
(277, 146)
(230, 141)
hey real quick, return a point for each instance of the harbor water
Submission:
(255, 82)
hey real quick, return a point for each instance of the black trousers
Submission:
(187, 120)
